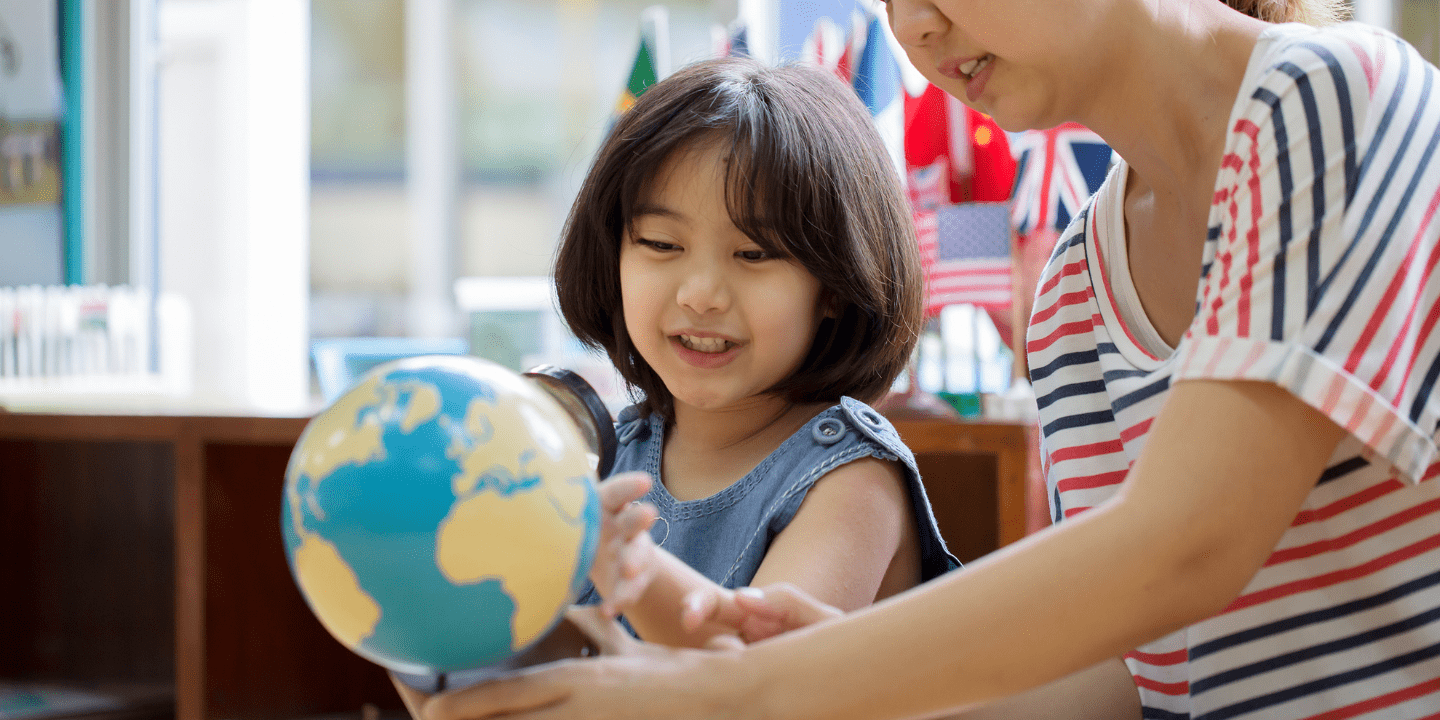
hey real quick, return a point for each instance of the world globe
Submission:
(441, 514)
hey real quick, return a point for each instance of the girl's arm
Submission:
(1225, 468)
(837, 549)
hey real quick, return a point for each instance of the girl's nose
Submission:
(916, 23)
(704, 290)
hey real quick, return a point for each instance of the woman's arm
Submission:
(1226, 467)
(837, 549)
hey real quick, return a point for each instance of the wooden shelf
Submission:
(146, 549)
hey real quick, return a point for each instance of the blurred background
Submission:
(204, 200)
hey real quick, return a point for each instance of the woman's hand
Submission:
(755, 613)
(625, 557)
(632, 679)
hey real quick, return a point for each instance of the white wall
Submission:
(233, 156)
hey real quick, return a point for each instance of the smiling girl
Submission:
(742, 250)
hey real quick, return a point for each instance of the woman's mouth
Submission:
(966, 70)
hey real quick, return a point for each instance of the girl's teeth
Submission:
(705, 345)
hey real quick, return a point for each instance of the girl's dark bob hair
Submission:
(807, 178)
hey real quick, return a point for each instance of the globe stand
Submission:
(565, 640)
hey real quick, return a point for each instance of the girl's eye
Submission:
(753, 255)
(657, 245)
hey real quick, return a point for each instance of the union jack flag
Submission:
(965, 254)
(1059, 170)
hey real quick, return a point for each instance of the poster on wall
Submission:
(29, 103)
(31, 220)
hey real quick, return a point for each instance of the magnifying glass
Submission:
(565, 640)
(587, 410)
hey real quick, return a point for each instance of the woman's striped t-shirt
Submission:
(1319, 276)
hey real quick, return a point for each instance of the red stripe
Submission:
(1347, 503)
(1252, 235)
(1066, 300)
(1174, 657)
(1076, 511)
(1086, 451)
(1105, 280)
(1136, 430)
(1382, 309)
(1336, 577)
(1394, 286)
(1421, 339)
(1074, 268)
(1043, 219)
(1175, 688)
(1066, 330)
(1090, 482)
(1354, 536)
(1381, 701)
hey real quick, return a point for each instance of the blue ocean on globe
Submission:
(440, 515)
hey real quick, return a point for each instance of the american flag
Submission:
(1059, 170)
(965, 253)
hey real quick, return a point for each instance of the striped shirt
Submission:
(1319, 276)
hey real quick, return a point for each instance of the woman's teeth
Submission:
(975, 66)
(705, 345)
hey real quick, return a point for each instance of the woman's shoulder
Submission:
(1348, 63)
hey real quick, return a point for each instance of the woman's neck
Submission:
(1165, 106)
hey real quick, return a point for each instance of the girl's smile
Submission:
(719, 317)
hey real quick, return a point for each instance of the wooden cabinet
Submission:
(143, 553)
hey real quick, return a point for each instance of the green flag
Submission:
(642, 76)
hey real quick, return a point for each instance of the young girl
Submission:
(1235, 355)
(742, 249)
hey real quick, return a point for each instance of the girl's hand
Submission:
(625, 557)
(755, 613)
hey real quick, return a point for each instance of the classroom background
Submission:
(216, 214)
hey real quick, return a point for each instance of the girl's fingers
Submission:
(786, 604)
(621, 490)
(697, 608)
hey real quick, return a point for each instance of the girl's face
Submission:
(718, 319)
(1011, 59)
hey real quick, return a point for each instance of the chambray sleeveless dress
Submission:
(726, 535)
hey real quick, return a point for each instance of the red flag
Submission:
(975, 149)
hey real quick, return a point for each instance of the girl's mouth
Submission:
(705, 344)
(973, 67)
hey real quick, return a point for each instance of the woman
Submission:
(1234, 355)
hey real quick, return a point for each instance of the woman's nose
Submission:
(916, 23)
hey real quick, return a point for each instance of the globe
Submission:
(441, 514)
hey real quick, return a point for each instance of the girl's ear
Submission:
(830, 305)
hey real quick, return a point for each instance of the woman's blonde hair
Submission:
(1310, 12)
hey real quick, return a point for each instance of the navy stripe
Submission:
(1080, 420)
(1113, 375)
(1107, 348)
(1422, 393)
(1148, 391)
(1154, 713)
(1259, 632)
(1339, 470)
(1314, 651)
(1064, 361)
(1317, 186)
(1382, 128)
(1347, 114)
(1077, 239)
(1322, 684)
(1395, 217)
(1069, 391)
(1287, 188)
(1377, 198)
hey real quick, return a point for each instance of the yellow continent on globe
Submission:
(347, 611)
(538, 524)
(352, 434)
